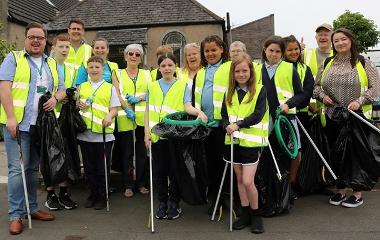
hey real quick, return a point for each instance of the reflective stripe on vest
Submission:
(20, 84)
(128, 87)
(160, 105)
(363, 79)
(94, 114)
(220, 84)
(76, 59)
(254, 136)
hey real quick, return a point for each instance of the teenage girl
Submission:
(167, 95)
(245, 115)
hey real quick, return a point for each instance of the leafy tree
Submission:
(365, 30)
(5, 47)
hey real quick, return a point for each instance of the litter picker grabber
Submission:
(105, 169)
(231, 179)
(316, 149)
(275, 162)
(364, 121)
(151, 217)
(23, 178)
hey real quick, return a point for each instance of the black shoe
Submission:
(90, 201)
(100, 204)
(337, 199)
(52, 202)
(244, 219)
(162, 211)
(174, 210)
(256, 222)
(66, 202)
(352, 202)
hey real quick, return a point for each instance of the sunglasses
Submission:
(133, 53)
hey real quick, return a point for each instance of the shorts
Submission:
(242, 155)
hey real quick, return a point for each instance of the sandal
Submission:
(128, 193)
(143, 191)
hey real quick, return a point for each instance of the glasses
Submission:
(37, 38)
(132, 53)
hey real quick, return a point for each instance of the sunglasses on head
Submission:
(133, 53)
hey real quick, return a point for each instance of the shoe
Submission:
(90, 201)
(210, 209)
(16, 227)
(128, 193)
(43, 216)
(244, 219)
(66, 202)
(256, 222)
(352, 202)
(100, 204)
(52, 202)
(162, 211)
(143, 191)
(337, 199)
(174, 211)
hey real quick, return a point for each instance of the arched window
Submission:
(177, 41)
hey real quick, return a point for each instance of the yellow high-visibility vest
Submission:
(76, 59)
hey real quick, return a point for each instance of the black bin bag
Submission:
(357, 154)
(50, 145)
(185, 136)
(71, 123)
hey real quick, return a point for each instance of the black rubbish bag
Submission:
(190, 165)
(71, 123)
(274, 194)
(312, 175)
(51, 145)
(357, 154)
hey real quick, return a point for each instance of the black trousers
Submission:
(93, 162)
(125, 146)
(162, 171)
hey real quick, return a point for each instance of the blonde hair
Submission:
(186, 48)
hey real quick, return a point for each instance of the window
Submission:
(177, 41)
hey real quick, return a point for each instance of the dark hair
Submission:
(99, 39)
(95, 59)
(35, 25)
(169, 55)
(219, 42)
(61, 37)
(77, 21)
(251, 81)
(273, 40)
(292, 39)
(354, 47)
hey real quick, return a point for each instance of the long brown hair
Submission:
(251, 84)
(354, 48)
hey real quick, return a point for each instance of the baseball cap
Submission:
(324, 25)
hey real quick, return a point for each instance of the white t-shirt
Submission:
(42, 83)
(88, 135)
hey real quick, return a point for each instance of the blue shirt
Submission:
(7, 72)
(207, 103)
(271, 69)
(61, 71)
(82, 75)
(165, 86)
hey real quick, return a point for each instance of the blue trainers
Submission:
(162, 211)
(174, 211)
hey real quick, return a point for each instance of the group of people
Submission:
(218, 84)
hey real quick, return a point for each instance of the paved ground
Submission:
(312, 218)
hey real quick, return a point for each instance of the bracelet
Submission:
(56, 99)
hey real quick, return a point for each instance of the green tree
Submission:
(5, 47)
(365, 30)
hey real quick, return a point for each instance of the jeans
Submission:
(16, 197)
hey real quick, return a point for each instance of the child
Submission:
(98, 103)
(61, 46)
(245, 115)
(165, 96)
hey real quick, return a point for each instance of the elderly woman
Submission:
(192, 63)
(352, 81)
(236, 49)
(131, 84)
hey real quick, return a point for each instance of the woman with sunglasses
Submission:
(100, 48)
(131, 84)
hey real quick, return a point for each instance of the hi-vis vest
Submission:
(220, 84)
(254, 136)
(311, 60)
(96, 112)
(69, 76)
(160, 106)
(283, 80)
(20, 84)
(128, 87)
(363, 79)
(301, 70)
(178, 72)
(112, 65)
(76, 59)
